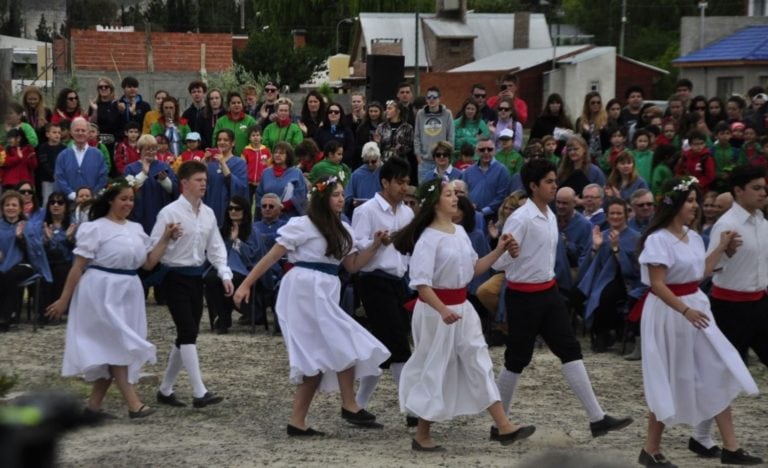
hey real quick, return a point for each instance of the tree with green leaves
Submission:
(44, 32)
(11, 23)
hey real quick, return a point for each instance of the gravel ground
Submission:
(248, 428)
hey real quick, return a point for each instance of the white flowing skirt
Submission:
(107, 325)
(689, 375)
(450, 372)
(319, 335)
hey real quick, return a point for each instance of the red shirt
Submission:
(125, 154)
(20, 164)
(258, 161)
(700, 165)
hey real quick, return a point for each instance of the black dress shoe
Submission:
(411, 421)
(169, 400)
(646, 459)
(696, 447)
(97, 416)
(294, 431)
(739, 457)
(209, 398)
(520, 434)
(494, 433)
(221, 331)
(361, 416)
(608, 423)
(420, 448)
(142, 412)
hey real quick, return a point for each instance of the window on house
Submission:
(728, 85)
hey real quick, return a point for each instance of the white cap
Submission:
(192, 136)
(507, 133)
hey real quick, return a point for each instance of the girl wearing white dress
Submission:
(327, 348)
(450, 372)
(691, 372)
(107, 326)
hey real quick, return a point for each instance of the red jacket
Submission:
(258, 161)
(20, 164)
(125, 154)
(700, 165)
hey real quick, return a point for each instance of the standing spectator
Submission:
(715, 112)
(553, 121)
(47, 153)
(333, 129)
(131, 105)
(469, 125)
(227, 174)
(480, 95)
(433, 123)
(197, 90)
(251, 96)
(395, 136)
(268, 112)
(20, 160)
(286, 180)
(282, 129)
(576, 170)
(734, 109)
(697, 161)
(127, 151)
(14, 119)
(643, 153)
(630, 114)
(508, 90)
(206, 121)
(237, 121)
(172, 126)
(507, 121)
(357, 112)
(155, 186)
(405, 98)
(155, 114)
(592, 123)
(366, 131)
(67, 106)
(104, 113)
(488, 180)
(257, 158)
(35, 112)
(80, 165)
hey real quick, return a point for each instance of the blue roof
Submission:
(746, 45)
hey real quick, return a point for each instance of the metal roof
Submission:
(748, 44)
(518, 59)
(492, 32)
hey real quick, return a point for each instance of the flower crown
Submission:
(119, 183)
(684, 186)
(429, 193)
(321, 185)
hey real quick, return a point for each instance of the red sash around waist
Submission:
(736, 296)
(531, 287)
(677, 289)
(447, 296)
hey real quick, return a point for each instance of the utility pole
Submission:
(702, 7)
(623, 26)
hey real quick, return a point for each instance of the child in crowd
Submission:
(466, 157)
(507, 155)
(308, 154)
(83, 202)
(46, 158)
(192, 151)
(725, 155)
(663, 162)
(549, 145)
(163, 151)
(618, 145)
(20, 160)
(697, 161)
(737, 134)
(95, 142)
(127, 150)
(641, 142)
(751, 151)
(66, 136)
(668, 133)
(257, 156)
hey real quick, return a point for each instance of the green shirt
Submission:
(330, 169)
(660, 174)
(511, 159)
(643, 162)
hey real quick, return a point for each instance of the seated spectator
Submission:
(227, 174)
(488, 180)
(244, 249)
(58, 241)
(332, 165)
(507, 155)
(127, 151)
(624, 179)
(83, 202)
(155, 184)
(29, 201)
(271, 208)
(286, 180)
(574, 242)
(282, 129)
(13, 267)
(465, 216)
(442, 153)
(611, 282)
(20, 160)
(592, 201)
(364, 182)
(643, 209)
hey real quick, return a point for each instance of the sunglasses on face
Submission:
(485, 150)
(504, 109)
(57, 202)
(267, 206)
(441, 154)
(479, 96)
(270, 90)
(334, 111)
(27, 192)
(235, 208)
(432, 96)
(103, 87)
(72, 98)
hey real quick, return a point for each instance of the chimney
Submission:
(299, 38)
(520, 40)
(455, 10)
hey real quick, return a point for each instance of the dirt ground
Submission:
(248, 428)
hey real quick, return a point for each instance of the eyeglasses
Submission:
(644, 205)
(479, 96)
(27, 192)
(595, 103)
(104, 87)
(485, 150)
(270, 90)
(441, 154)
(150, 150)
(334, 111)
(267, 206)
(235, 208)
(432, 96)
(72, 98)
(504, 109)
(57, 202)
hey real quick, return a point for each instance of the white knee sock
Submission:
(576, 375)
(171, 371)
(702, 433)
(507, 382)
(365, 390)
(192, 364)
(396, 368)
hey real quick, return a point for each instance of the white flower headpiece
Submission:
(684, 186)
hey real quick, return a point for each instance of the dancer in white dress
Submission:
(691, 372)
(327, 348)
(450, 372)
(107, 326)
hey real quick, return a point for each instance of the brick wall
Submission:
(130, 51)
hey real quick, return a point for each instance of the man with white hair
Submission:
(81, 165)
(364, 182)
(643, 209)
(592, 200)
(270, 222)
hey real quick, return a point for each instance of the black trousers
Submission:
(745, 324)
(383, 300)
(219, 305)
(540, 313)
(609, 314)
(10, 294)
(184, 295)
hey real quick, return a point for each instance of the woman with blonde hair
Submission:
(592, 122)
(35, 112)
(576, 169)
(624, 179)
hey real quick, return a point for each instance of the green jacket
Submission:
(328, 168)
(725, 158)
(511, 159)
(660, 174)
(643, 162)
(239, 127)
(273, 134)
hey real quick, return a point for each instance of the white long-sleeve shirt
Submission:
(377, 215)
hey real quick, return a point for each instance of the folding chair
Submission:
(33, 300)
